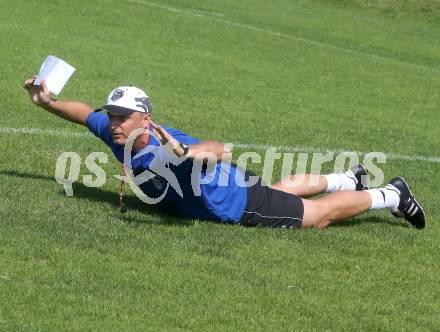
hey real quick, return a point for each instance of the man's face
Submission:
(121, 126)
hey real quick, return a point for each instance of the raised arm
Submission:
(73, 111)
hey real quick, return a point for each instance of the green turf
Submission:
(327, 74)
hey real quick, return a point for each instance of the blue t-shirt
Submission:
(209, 195)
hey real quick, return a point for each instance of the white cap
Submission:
(127, 99)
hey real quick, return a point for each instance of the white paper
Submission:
(56, 73)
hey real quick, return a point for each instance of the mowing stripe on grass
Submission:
(286, 148)
(283, 35)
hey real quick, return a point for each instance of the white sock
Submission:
(384, 198)
(343, 181)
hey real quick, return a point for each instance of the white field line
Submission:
(44, 132)
(285, 148)
(279, 34)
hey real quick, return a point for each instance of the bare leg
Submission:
(335, 206)
(302, 185)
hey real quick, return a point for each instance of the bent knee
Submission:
(317, 223)
(316, 214)
(321, 224)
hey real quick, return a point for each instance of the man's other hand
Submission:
(165, 138)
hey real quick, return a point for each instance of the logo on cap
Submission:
(118, 94)
(144, 103)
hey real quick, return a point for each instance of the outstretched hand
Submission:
(166, 139)
(40, 95)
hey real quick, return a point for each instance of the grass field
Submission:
(328, 75)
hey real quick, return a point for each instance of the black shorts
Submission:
(272, 208)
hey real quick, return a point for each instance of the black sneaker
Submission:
(408, 208)
(359, 175)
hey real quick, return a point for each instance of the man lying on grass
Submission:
(281, 205)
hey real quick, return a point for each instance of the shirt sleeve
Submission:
(98, 124)
(181, 136)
